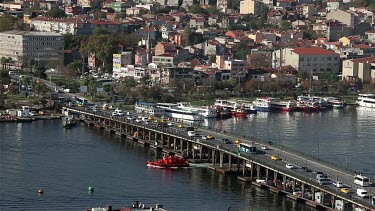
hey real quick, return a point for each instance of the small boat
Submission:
(169, 161)
(239, 112)
(68, 122)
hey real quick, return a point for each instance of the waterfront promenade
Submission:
(260, 160)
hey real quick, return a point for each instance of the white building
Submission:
(314, 60)
(40, 46)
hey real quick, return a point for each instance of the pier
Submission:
(259, 168)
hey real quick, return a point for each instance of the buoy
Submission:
(40, 191)
(91, 189)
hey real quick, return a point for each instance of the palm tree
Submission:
(9, 59)
(3, 61)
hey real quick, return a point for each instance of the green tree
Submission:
(3, 61)
(212, 10)
(241, 50)
(72, 42)
(7, 22)
(285, 25)
(127, 40)
(212, 59)
(165, 10)
(102, 45)
(100, 30)
(56, 13)
(196, 9)
(187, 38)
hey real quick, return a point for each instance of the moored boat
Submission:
(169, 161)
(366, 100)
(239, 112)
(68, 122)
(283, 105)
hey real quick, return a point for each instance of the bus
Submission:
(82, 101)
(361, 180)
(247, 148)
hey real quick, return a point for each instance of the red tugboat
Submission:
(169, 161)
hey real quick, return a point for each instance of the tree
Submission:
(251, 86)
(72, 42)
(7, 22)
(303, 74)
(285, 25)
(100, 30)
(196, 9)
(127, 40)
(165, 10)
(3, 61)
(187, 38)
(343, 87)
(102, 45)
(212, 10)
(260, 61)
(241, 50)
(56, 13)
(212, 59)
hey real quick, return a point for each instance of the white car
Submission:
(289, 166)
(170, 124)
(138, 120)
(129, 117)
(264, 147)
(338, 184)
(191, 133)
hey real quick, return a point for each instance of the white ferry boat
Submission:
(279, 105)
(148, 108)
(263, 104)
(172, 110)
(232, 105)
(366, 100)
(206, 112)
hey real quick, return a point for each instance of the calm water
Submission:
(64, 162)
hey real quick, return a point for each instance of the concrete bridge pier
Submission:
(284, 182)
(200, 153)
(221, 154)
(275, 181)
(174, 144)
(230, 162)
(267, 173)
(258, 171)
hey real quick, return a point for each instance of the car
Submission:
(264, 147)
(226, 141)
(170, 124)
(147, 122)
(138, 120)
(129, 118)
(338, 184)
(324, 181)
(237, 141)
(208, 137)
(345, 190)
(161, 124)
(150, 118)
(114, 113)
(289, 166)
(191, 133)
(190, 129)
(275, 157)
(180, 125)
(156, 121)
(306, 169)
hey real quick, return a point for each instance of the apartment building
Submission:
(314, 60)
(249, 7)
(40, 46)
(362, 68)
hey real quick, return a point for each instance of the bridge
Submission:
(299, 183)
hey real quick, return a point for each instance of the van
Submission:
(12, 73)
(324, 181)
(361, 180)
(362, 193)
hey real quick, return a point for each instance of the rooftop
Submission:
(365, 60)
(31, 33)
(313, 51)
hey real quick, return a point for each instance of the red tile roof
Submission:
(362, 46)
(365, 60)
(312, 51)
